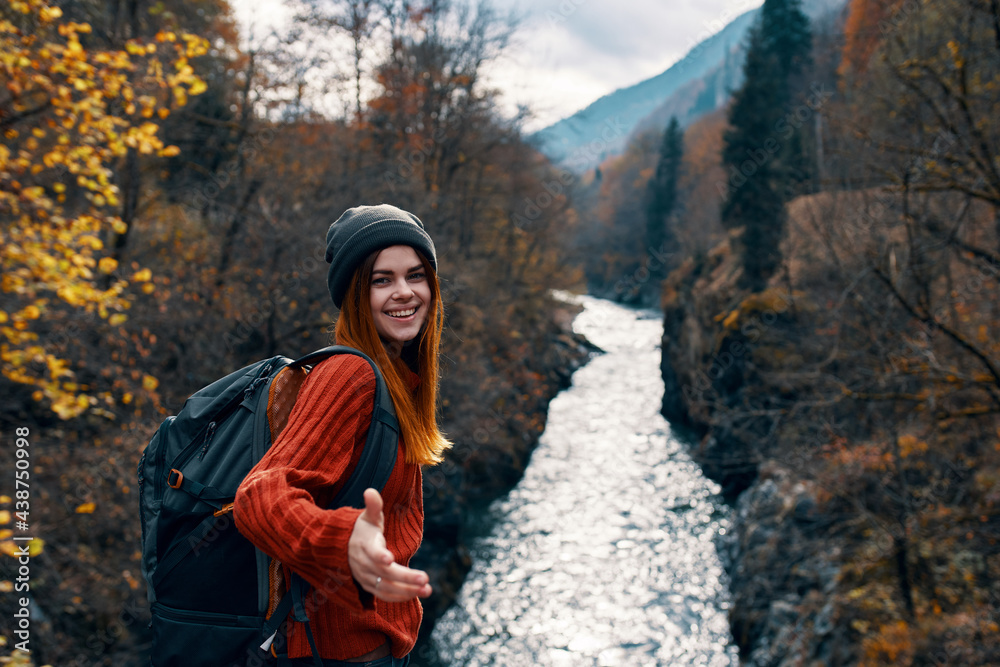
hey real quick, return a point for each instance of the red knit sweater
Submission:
(280, 508)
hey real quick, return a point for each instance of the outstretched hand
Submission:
(373, 565)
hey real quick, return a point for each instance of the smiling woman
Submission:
(399, 294)
(383, 278)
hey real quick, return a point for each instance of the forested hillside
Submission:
(613, 202)
(164, 196)
(832, 344)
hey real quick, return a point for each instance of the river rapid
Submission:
(604, 553)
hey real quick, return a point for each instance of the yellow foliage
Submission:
(67, 129)
(770, 301)
(85, 508)
(20, 659)
(13, 549)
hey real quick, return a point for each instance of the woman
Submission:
(382, 276)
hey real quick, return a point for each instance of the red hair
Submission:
(416, 411)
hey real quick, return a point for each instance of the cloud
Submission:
(258, 17)
(568, 53)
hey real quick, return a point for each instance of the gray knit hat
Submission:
(363, 230)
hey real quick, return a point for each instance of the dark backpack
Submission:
(215, 599)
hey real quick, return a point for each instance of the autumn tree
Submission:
(69, 114)
(78, 100)
(867, 23)
(700, 227)
(936, 70)
(924, 105)
(356, 19)
(615, 222)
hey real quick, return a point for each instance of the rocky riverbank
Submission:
(781, 559)
(861, 460)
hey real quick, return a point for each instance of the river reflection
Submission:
(603, 554)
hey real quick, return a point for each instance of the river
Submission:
(604, 553)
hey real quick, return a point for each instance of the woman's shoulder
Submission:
(339, 385)
(344, 369)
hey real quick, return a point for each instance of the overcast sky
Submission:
(568, 53)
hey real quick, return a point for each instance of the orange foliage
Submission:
(891, 645)
(701, 173)
(867, 24)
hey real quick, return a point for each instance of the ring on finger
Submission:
(378, 580)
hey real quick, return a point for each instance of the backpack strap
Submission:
(299, 614)
(372, 471)
(379, 455)
(207, 494)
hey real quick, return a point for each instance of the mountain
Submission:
(584, 139)
(699, 82)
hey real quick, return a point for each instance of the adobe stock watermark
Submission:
(99, 643)
(900, 17)
(783, 130)
(654, 261)
(562, 13)
(552, 190)
(484, 432)
(612, 130)
(109, 471)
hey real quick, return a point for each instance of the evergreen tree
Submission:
(662, 198)
(762, 153)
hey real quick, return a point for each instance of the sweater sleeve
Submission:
(280, 506)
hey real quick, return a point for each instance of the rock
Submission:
(783, 609)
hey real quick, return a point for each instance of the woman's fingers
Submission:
(373, 509)
(396, 593)
(368, 538)
(394, 583)
(397, 583)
